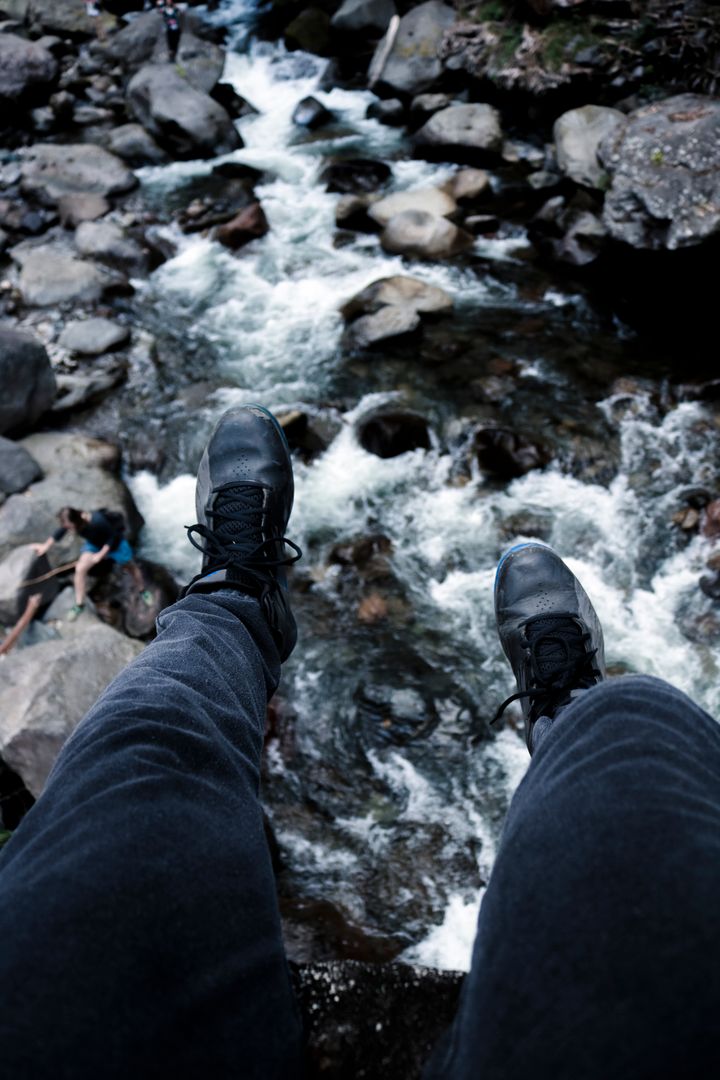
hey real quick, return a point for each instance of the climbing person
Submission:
(138, 913)
(103, 534)
(171, 15)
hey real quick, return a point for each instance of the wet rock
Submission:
(664, 167)
(372, 609)
(569, 233)
(423, 106)
(395, 715)
(369, 555)
(424, 236)
(310, 31)
(26, 378)
(17, 568)
(387, 323)
(106, 241)
(351, 212)
(355, 176)
(48, 688)
(359, 15)
(27, 70)
(78, 389)
(470, 185)
(185, 121)
(91, 337)
(390, 434)
(18, 468)
(134, 144)
(50, 171)
(77, 471)
(309, 430)
(505, 454)
(309, 113)
(578, 134)
(711, 520)
(461, 133)
(398, 291)
(390, 111)
(50, 275)
(76, 208)
(234, 104)
(429, 201)
(248, 225)
(710, 585)
(406, 61)
(482, 224)
(144, 41)
(120, 603)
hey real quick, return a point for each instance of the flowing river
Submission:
(384, 788)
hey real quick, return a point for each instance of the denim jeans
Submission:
(139, 929)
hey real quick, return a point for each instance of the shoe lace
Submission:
(560, 662)
(236, 538)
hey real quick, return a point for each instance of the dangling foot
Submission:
(243, 500)
(549, 631)
(75, 612)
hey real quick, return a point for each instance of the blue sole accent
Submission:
(516, 547)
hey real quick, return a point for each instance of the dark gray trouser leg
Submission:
(598, 945)
(139, 929)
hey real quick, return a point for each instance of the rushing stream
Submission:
(384, 789)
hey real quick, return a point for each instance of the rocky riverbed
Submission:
(468, 257)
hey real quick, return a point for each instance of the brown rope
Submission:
(52, 573)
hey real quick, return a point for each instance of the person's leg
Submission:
(138, 919)
(82, 569)
(598, 936)
(598, 939)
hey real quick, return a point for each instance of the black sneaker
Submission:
(243, 499)
(549, 631)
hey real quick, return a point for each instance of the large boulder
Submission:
(249, 224)
(430, 200)
(388, 322)
(50, 171)
(578, 134)
(134, 144)
(66, 18)
(26, 378)
(143, 41)
(363, 15)
(664, 165)
(184, 120)
(355, 176)
(406, 61)
(48, 688)
(78, 471)
(18, 468)
(398, 290)
(19, 567)
(49, 275)
(424, 236)
(462, 133)
(108, 242)
(27, 69)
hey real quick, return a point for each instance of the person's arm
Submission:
(42, 549)
(103, 553)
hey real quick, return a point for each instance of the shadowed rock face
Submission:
(25, 68)
(26, 378)
(373, 1021)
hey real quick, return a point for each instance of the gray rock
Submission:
(26, 68)
(50, 171)
(398, 290)
(424, 236)
(49, 275)
(134, 144)
(26, 378)
(430, 200)
(309, 113)
(106, 241)
(664, 166)
(48, 688)
(188, 122)
(77, 471)
(461, 133)
(78, 207)
(390, 111)
(469, 185)
(67, 18)
(19, 566)
(577, 134)
(389, 322)
(18, 469)
(406, 60)
(358, 15)
(135, 44)
(424, 105)
(91, 337)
